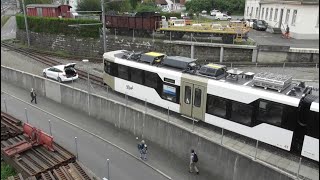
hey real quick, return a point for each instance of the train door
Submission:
(193, 100)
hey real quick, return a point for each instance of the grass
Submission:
(6, 171)
(4, 19)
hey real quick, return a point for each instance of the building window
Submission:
(271, 12)
(251, 12)
(262, 13)
(267, 11)
(276, 15)
(257, 12)
(287, 16)
(294, 17)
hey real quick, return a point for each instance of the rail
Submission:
(38, 162)
(50, 62)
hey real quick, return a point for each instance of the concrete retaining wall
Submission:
(222, 163)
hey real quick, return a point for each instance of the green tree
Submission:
(199, 5)
(89, 5)
(95, 5)
(148, 7)
(134, 3)
(232, 6)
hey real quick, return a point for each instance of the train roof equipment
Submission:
(179, 62)
(152, 57)
(277, 82)
(269, 81)
(214, 71)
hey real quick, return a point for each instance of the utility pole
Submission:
(103, 26)
(26, 22)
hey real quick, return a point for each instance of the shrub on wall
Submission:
(60, 25)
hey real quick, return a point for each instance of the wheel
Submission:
(44, 75)
(59, 79)
(218, 19)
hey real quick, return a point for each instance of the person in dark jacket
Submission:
(143, 149)
(33, 96)
(287, 32)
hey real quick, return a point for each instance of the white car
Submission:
(61, 73)
(222, 17)
(249, 22)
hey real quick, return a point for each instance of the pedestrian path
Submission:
(161, 162)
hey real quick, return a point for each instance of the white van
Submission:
(223, 17)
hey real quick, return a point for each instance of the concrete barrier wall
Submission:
(221, 162)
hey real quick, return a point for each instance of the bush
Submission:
(60, 25)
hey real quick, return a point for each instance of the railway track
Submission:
(38, 162)
(10, 127)
(50, 62)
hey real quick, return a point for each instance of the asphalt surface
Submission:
(92, 151)
(8, 31)
(266, 38)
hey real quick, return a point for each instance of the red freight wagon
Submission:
(142, 22)
(48, 10)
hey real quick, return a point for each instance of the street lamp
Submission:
(86, 61)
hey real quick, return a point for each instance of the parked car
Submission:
(221, 16)
(260, 25)
(249, 22)
(61, 73)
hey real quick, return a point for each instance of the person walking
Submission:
(33, 96)
(143, 150)
(193, 162)
(287, 32)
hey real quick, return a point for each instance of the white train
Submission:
(286, 118)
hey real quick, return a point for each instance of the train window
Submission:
(137, 75)
(123, 72)
(187, 95)
(151, 79)
(169, 92)
(269, 112)
(241, 113)
(197, 97)
(216, 106)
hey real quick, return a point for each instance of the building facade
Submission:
(302, 16)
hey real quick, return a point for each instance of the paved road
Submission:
(8, 31)
(93, 152)
(266, 38)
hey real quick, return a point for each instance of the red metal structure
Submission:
(49, 10)
(141, 22)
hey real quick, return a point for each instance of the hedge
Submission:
(59, 25)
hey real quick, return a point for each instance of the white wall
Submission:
(305, 26)
(254, 6)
